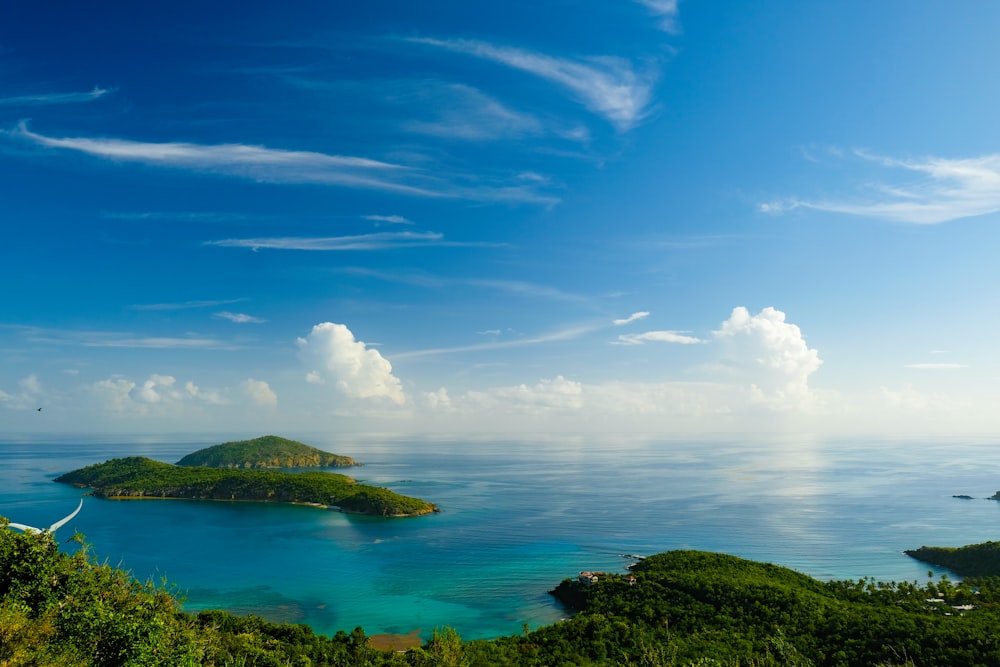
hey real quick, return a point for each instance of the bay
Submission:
(518, 516)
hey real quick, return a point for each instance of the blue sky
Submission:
(646, 215)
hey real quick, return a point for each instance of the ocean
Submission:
(517, 516)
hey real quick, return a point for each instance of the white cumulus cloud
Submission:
(768, 353)
(333, 355)
(158, 388)
(157, 395)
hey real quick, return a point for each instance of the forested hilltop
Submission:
(140, 477)
(678, 608)
(269, 451)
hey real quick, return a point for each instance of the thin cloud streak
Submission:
(118, 339)
(528, 289)
(239, 318)
(631, 318)
(43, 99)
(393, 219)
(414, 279)
(678, 337)
(159, 343)
(555, 336)
(952, 189)
(273, 165)
(377, 241)
(608, 86)
(185, 305)
(935, 366)
(241, 160)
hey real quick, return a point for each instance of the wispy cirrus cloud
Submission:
(423, 279)
(257, 162)
(522, 288)
(420, 279)
(665, 11)
(606, 85)
(680, 337)
(42, 99)
(377, 241)
(159, 343)
(274, 165)
(118, 339)
(185, 305)
(175, 216)
(466, 113)
(951, 189)
(568, 333)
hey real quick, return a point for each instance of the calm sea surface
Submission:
(517, 517)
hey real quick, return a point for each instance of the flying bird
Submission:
(51, 529)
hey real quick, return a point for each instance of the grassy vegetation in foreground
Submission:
(683, 608)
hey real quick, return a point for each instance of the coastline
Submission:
(434, 508)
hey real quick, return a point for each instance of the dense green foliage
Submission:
(140, 477)
(975, 560)
(269, 451)
(682, 609)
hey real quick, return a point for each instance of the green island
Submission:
(140, 477)
(269, 451)
(680, 608)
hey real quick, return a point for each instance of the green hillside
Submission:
(269, 451)
(139, 477)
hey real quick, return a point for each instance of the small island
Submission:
(269, 451)
(139, 477)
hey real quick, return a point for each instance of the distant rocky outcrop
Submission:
(269, 451)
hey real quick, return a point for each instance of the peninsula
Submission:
(974, 560)
(140, 477)
(269, 451)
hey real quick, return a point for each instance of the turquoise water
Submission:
(517, 517)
